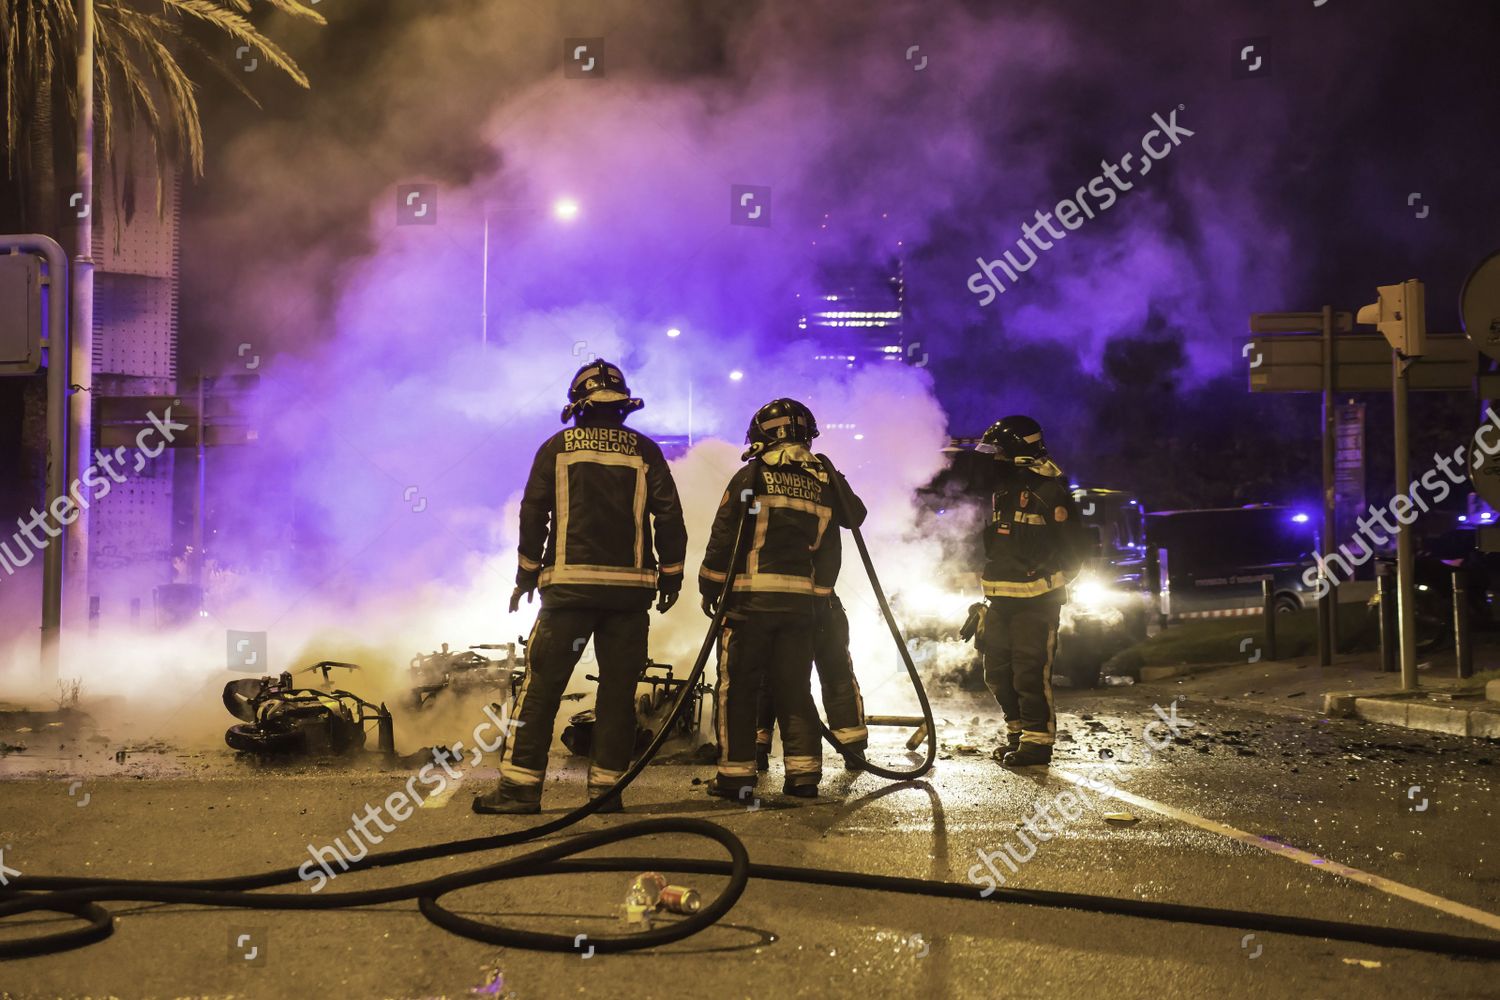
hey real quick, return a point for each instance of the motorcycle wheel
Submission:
(254, 739)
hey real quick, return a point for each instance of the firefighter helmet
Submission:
(599, 382)
(777, 421)
(1015, 439)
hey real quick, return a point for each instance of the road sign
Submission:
(1293, 322)
(113, 436)
(1479, 304)
(122, 418)
(1291, 363)
(20, 313)
(1484, 471)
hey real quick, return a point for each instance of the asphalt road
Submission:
(1411, 811)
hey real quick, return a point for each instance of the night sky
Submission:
(1292, 192)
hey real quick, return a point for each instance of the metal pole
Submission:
(57, 452)
(690, 413)
(484, 285)
(1268, 610)
(1406, 591)
(1463, 651)
(1328, 618)
(81, 341)
(199, 513)
(1388, 637)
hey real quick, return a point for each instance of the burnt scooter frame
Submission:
(466, 670)
(280, 717)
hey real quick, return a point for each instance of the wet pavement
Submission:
(1410, 811)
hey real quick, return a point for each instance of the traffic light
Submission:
(1401, 316)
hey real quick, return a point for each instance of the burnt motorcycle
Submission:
(279, 717)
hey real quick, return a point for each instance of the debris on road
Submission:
(1121, 819)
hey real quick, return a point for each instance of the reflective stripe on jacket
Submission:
(596, 494)
(794, 549)
(1034, 542)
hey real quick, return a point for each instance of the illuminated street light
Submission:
(736, 375)
(565, 209)
(674, 332)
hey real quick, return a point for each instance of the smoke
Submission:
(375, 515)
(405, 386)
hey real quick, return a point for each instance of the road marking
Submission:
(439, 800)
(1385, 885)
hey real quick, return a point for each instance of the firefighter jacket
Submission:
(1035, 541)
(792, 550)
(596, 494)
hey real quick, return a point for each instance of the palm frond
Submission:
(139, 77)
(213, 12)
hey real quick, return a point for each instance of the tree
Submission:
(140, 80)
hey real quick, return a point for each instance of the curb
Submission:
(1479, 722)
(1149, 674)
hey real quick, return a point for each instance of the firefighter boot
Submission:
(806, 790)
(510, 800)
(1028, 755)
(735, 791)
(1011, 745)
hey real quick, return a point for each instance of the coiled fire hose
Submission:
(80, 897)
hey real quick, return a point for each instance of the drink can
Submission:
(680, 899)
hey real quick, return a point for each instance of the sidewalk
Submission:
(1353, 687)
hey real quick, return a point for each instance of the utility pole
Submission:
(1406, 586)
(1400, 314)
(81, 317)
(1328, 605)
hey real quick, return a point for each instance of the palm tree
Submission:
(139, 81)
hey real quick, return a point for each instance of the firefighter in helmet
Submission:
(831, 660)
(1034, 544)
(788, 562)
(597, 494)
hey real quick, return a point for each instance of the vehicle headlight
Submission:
(1089, 593)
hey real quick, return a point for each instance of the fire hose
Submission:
(80, 897)
(911, 668)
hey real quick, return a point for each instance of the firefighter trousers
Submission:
(557, 642)
(775, 650)
(1019, 643)
(841, 698)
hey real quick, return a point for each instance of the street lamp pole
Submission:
(484, 284)
(81, 319)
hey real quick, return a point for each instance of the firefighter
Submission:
(597, 492)
(841, 698)
(1034, 544)
(788, 562)
(835, 667)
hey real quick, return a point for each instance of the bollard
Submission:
(1325, 629)
(1385, 588)
(1463, 650)
(1268, 609)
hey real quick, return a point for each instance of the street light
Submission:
(674, 332)
(736, 375)
(565, 209)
